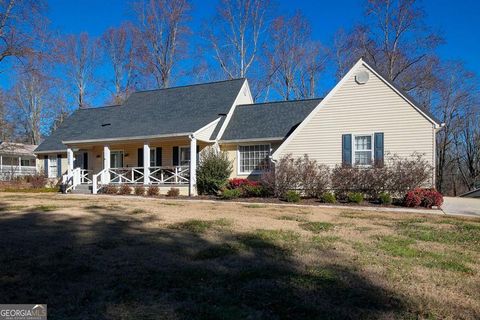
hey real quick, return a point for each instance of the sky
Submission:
(455, 20)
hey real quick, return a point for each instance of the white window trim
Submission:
(372, 135)
(253, 172)
(52, 174)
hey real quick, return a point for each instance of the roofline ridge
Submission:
(280, 101)
(101, 107)
(189, 85)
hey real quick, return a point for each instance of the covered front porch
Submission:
(164, 162)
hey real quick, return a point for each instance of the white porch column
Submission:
(146, 163)
(1, 163)
(193, 166)
(106, 164)
(69, 162)
(20, 164)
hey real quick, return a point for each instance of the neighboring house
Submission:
(157, 136)
(16, 159)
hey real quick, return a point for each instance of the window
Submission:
(52, 166)
(153, 156)
(28, 162)
(116, 159)
(184, 156)
(363, 150)
(253, 158)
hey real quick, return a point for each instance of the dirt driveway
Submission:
(461, 206)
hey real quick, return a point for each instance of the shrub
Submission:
(140, 190)
(296, 174)
(153, 191)
(253, 191)
(37, 181)
(173, 192)
(213, 171)
(355, 197)
(228, 194)
(412, 199)
(110, 189)
(328, 197)
(292, 196)
(425, 197)
(241, 182)
(397, 176)
(124, 190)
(385, 198)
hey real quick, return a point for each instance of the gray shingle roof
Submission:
(175, 110)
(267, 120)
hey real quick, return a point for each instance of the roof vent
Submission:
(222, 114)
(105, 124)
(362, 77)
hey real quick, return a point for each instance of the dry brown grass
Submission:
(136, 258)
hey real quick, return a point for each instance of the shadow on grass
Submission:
(104, 267)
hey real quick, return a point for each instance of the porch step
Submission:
(82, 189)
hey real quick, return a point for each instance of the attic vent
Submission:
(105, 124)
(362, 77)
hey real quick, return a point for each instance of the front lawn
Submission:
(98, 257)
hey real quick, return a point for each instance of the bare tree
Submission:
(456, 93)
(18, 23)
(467, 142)
(235, 34)
(395, 40)
(119, 47)
(161, 30)
(79, 54)
(294, 59)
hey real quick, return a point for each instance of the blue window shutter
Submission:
(378, 152)
(347, 149)
(45, 165)
(198, 153)
(158, 159)
(59, 165)
(175, 156)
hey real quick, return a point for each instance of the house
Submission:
(16, 159)
(157, 136)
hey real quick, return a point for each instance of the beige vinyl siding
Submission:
(363, 109)
(206, 133)
(232, 153)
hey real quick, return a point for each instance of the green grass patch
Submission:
(459, 233)
(45, 208)
(254, 206)
(397, 246)
(263, 238)
(217, 251)
(173, 204)
(316, 226)
(323, 242)
(201, 226)
(292, 218)
(439, 261)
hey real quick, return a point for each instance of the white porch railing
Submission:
(85, 176)
(135, 175)
(9, 172)
(170, 175)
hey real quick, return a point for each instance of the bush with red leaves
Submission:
(236, 183)
(423, 197)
